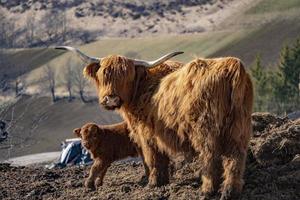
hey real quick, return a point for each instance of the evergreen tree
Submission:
(286, 80)
(261, 84)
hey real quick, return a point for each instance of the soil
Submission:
(272, 173)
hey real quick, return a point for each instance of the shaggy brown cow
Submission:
(204, 106)
(106, 144)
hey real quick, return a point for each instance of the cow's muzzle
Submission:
(111, 102)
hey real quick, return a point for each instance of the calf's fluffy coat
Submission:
(106, 144)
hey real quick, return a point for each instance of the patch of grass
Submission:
(22, 61)
(266, 6)
(149, 48)
(266, 40)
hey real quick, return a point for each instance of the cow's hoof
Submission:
(230, 194)
(152, 184)
(90, 185)
(98, 183)
(143, 181)
(207, 195)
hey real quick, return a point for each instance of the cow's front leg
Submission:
(158, 164)
(144, 179)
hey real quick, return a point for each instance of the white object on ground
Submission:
(34, 158)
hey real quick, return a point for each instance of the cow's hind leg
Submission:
(211, 174)
(208, 147)
(234, 166)
(235, 154)
(163, 168)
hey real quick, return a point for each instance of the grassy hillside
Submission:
(19, 61)
(266, 40)
(152, 47)
(38, 125)
(266, 6)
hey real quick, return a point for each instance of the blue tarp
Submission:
(72, 154)
(3, 133)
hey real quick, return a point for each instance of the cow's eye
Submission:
(202, 64)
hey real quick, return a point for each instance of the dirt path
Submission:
(34, 159)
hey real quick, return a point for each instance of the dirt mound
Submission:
(272, 173)
(278, 141)
(262, 122)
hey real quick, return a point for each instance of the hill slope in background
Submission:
(246, 28)
(40, 23)
(38, 125)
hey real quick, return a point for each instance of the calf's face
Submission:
(89, 135)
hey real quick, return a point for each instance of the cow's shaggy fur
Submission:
(203, 107)
(106, 144)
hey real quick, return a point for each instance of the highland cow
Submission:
(204, 107)
(106, 144)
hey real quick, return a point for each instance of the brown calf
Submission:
(106, 144)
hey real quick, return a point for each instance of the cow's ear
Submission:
(77, 132)
(90, 70)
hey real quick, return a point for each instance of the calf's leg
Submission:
(97, 171)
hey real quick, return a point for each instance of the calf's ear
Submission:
(90, 70)
(77, 132)
(95, 129)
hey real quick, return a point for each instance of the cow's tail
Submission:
(241, 103)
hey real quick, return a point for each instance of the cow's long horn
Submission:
(82, 56)
(158, 61)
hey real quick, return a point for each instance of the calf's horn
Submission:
(85, 58)
(158, 61)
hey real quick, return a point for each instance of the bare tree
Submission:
(14, 118)
(64, 23)
(19, 84)
(7, 31)
(68, 76)
(4, 64)
(6, 81)
(80, 81)
(54, 25)
(30, 29)
(49, 80)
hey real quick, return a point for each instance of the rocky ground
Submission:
(272, 173)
